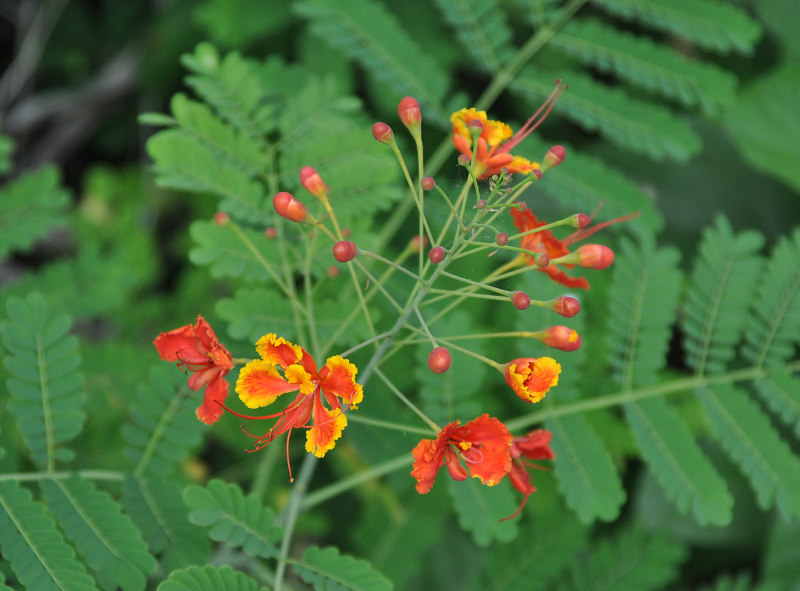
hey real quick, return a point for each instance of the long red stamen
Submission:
(586, 232)
(241, 416)
(533, 122)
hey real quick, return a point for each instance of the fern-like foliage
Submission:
(6, 149)
(162, 426)
(209, 578)
(33, 205)
(103, 535)
(33, 546)
(329, 570)
(480, 510)
(233, 518)
(45, 383)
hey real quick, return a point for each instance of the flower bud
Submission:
(501, 239)
(344, 251)
(311, 180)
(554, 157)
(475, 127)
(409, 113)
(439, 360)
(221, 218)
(436, 255)
(271, 233)
(463, 160)
(537, 173)
(287, 206)
(595, 256)
(428, 183)
(481, 204)
(521, 300)
(333, 271)
(580, 220)
(566, 306)
(383, 133)
(414, 244)
(542, 261)
(560, 337)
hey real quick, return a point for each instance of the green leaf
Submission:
(779, 559)
(686, 475)
(237, 23)
(480, 509)
(642, 127)
(781, 392)
(33, 547)
(725, 276)
(584, 470)
(642, 304)
(232, 518)
(481, 28)
(6, 150)
(209, 578)
(369, 34)
(647, 65)
(155, 506)
(33, 205)
(774, 322)
(328, 570)
(766, 127)
(750, 440)
(227, 255)
(45, 383)
(163, 427)
(103, 535)
(632, 560)
(709, 24)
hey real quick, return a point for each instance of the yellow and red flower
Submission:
(495, 142)
(323, 395)
(197, 350)
(531, 378)
(533, 446)
(484, 444)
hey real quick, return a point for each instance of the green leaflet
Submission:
(33, 547)
(480, 509)
(329, 570)
(104, 536)
(45, 383)
(209, 578)
(233, 518)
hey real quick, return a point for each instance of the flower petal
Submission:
(327, 428)
(338, 377)
(493, 442)
(180, 344)
(278, 351)
(216, 393)
(259, 384)
(531, 378)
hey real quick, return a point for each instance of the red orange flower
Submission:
(495, 142)
(484, 444)
(531, 378)
(534, 446)
(197, 350)
(285, 367)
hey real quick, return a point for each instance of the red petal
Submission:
(216, 393)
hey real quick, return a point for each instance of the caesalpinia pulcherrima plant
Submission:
(482, 447)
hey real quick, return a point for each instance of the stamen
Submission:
(533, 123)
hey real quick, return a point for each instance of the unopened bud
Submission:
(287, 206)
(463, 159)
(481, 204)
(333, 271)
(579, 220)
(475, 126)
(344, 251)
(347, 232)
(271, 233)
(521, 300)
(554, 157)
(311, 180)
(436, 255)
(221, 218)
(594, 256)
(560, 337)
(414, 244)
(409, 113)
(439, 360)
(542, 261)
(383, 133)
(566, 306)
(501, 239)
(536, 173)
(428, 183)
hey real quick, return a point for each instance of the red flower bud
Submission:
(560, 337)
(566, 306)
(439, 360)
(428, 183)
(436, 254)
(537, 173)
(333, 271)
(287, 206)
(542, 260)
(481, 204)
(595, 256)
(311, 180)
(501, 239)
(221, 218)
(271, 233)
(344, 251)
(554, 157)
(383, 133)
(580, 220)
(521, 300)
(475, 126)
(463, 159)
(415, 243)
(409, 113)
